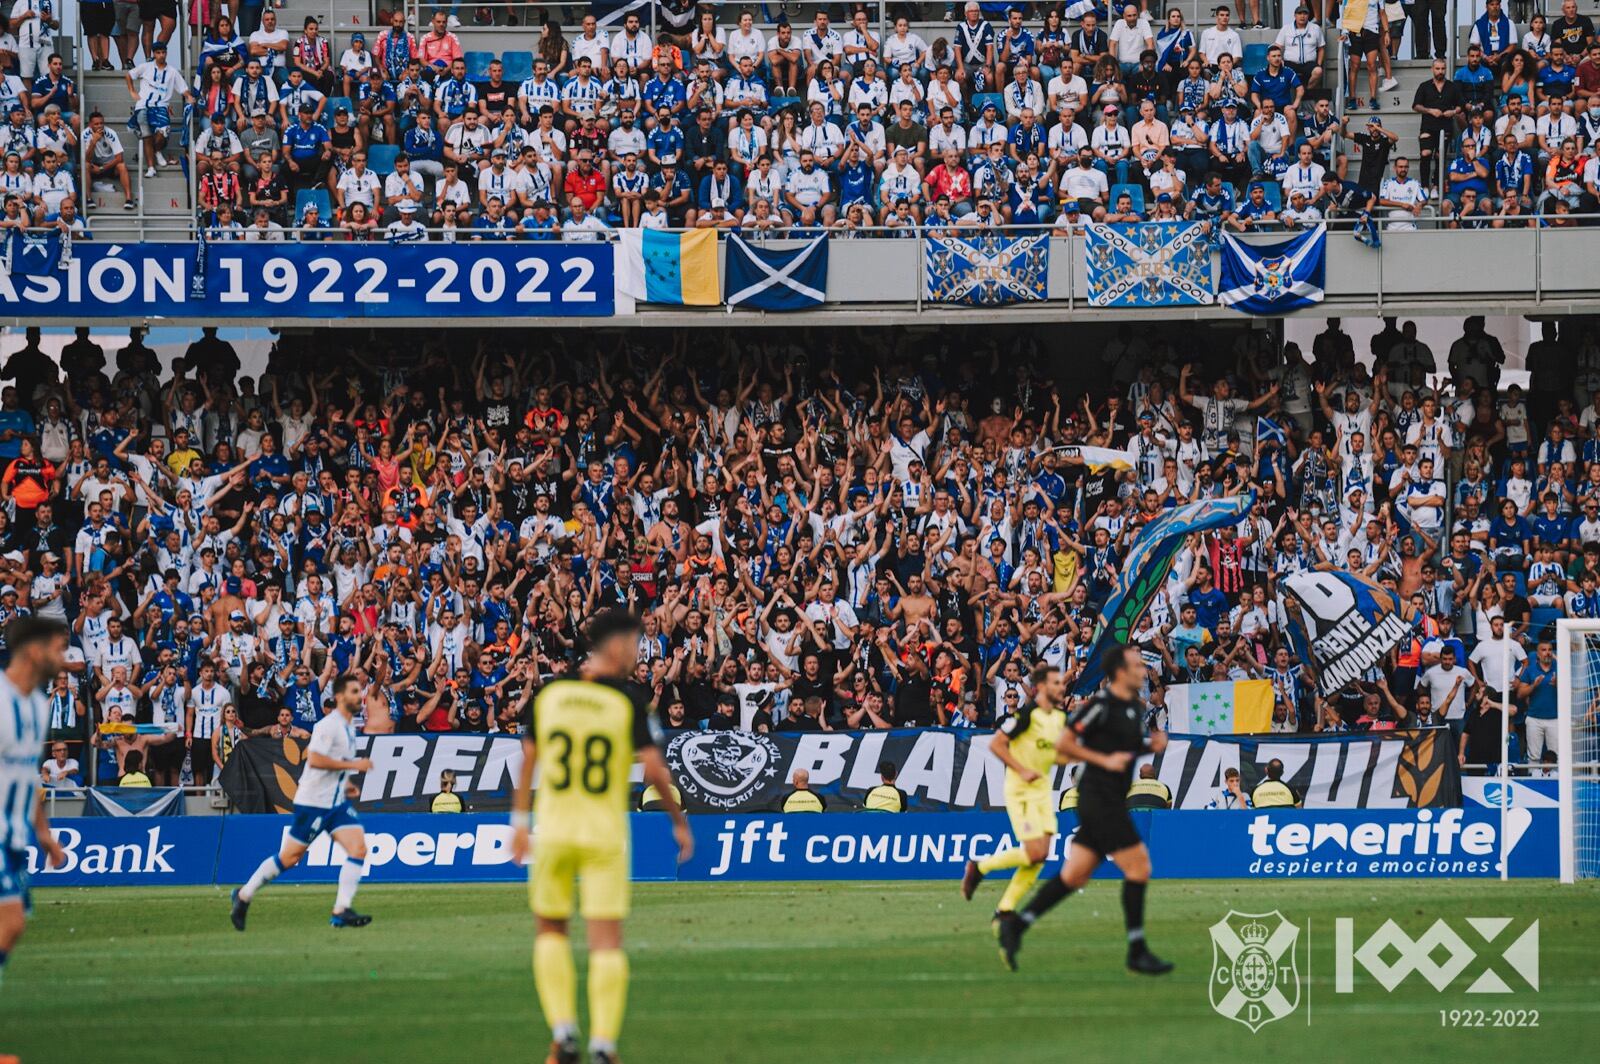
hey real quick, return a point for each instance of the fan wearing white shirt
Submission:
(1219, 39)
(1402, 196)
(1305, 175)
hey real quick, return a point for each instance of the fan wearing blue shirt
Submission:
(856, 178)
(664, 90)
(664, 144)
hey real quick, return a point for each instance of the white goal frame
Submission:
(1568, 640)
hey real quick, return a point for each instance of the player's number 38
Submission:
(593, 772)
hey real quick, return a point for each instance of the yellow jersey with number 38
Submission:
(587, 734)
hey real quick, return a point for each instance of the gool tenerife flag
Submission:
(1234, 707)
(675, 268)
(1274, 278)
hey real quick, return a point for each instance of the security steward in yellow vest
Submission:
(1272, 792)
(802, 799)
(447, 800)
(1148, 792)
(886, 797)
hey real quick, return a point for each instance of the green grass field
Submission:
(759, 972)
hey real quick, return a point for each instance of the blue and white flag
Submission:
(1144, 571)
(1148, 264)
(985, 269)
(133, 801)
(1270, 431)
(1340, 624)
(769, 279)
(1275, 278)
(31, 254)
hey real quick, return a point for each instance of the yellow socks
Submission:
(1020, 884)
(1016, 857)
(556, 979)
(608, 995)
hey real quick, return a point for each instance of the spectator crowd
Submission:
(821, 530)
(1031, 115)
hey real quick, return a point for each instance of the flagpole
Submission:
(1505, 744)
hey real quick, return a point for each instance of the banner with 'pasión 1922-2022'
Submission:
(236, 279)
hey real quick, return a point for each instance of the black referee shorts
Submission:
(1104, 825)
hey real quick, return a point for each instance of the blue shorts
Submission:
(14, 877)
(149, 121)
(309, 822)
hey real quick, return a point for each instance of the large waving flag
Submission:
(654, 266)
(1276, 278)
(1236, 707)
(769, 279)
(1341, 624)
(1148, 264)
(1145, 569)
(985, 269)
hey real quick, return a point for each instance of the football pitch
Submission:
(814, 974)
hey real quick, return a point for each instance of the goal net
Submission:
(1578, 746)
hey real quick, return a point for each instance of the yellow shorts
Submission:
(1032, 816)
(561, 868)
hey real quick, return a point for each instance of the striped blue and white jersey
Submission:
(24, 720)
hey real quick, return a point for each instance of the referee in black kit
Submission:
(1106, 733)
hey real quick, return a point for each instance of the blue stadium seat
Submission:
(519, 66)
(320, 197)
(1520, 578)
(478, 65)
(1135, 191)
(334, 103)
(380, 158)
(780, 102)
(1541, 619)
(1274, 194)
(1255, 59)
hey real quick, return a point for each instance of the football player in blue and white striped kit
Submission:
(38, 652)
(321, 807)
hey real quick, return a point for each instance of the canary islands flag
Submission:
(654, 266)
(1241, 707)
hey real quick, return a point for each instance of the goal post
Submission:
(1577, 646)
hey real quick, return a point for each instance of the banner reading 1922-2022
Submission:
(237, 279)
(940, 769)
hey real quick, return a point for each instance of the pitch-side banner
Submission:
(462, 848)
(1341, 623)
(940, 769)
(219, 280)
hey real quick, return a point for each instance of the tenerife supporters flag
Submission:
(676, 268)
(768, 279)
(1236, 707)
(1276, 278)
(1145, 570)
(31, 254)
(133, 801)
(1340, 624)
(1148, 264)
(985, 269)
